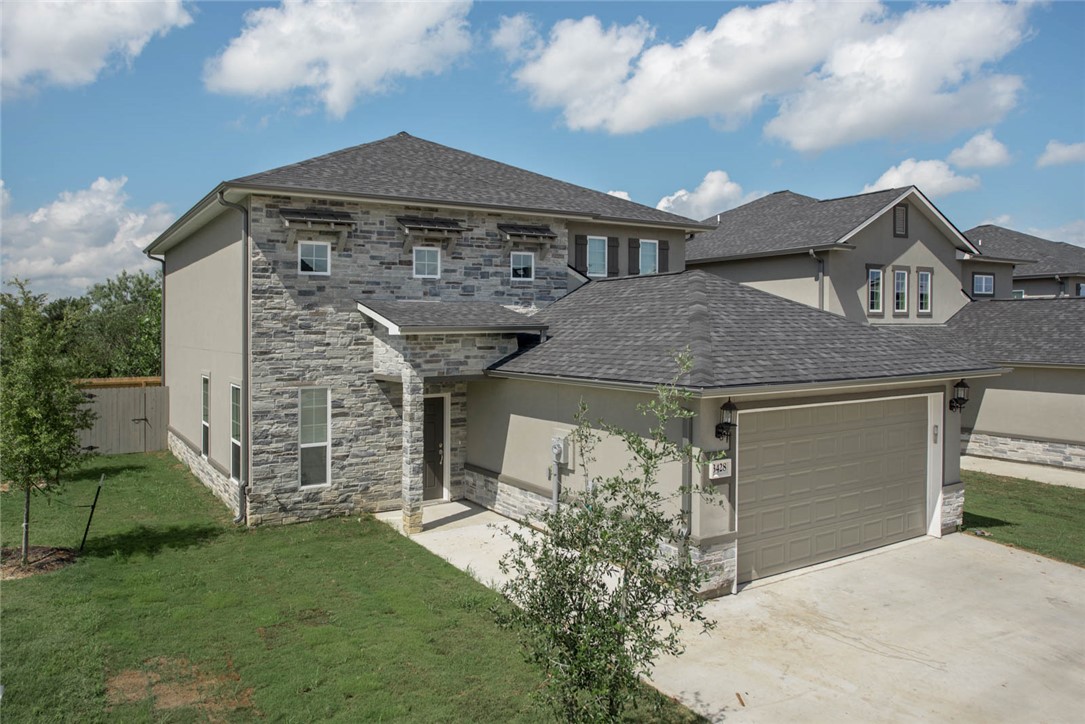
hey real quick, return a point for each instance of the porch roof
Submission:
(409, 317)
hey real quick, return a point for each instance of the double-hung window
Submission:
(427, 262)
(235, 432)
(924, 298)
(205, 416)
(313, 436)
(523, 265)
(900, 291)
(874, 291)
(314, 257)
(983, 285)
(597, 256)
(649, 256)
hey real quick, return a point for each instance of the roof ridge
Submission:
(700, 330)
(867, 193)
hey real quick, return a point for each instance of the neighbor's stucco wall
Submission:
(203, 311)
(1049, 287)
(1003, 273)
(792, 277)
(676, 259)
(1032, 403)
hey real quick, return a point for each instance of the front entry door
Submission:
(433, 445)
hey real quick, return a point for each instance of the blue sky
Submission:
(118, 118)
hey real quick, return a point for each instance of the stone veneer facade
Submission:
(1040, 452)
(952, 508)
(219, 481)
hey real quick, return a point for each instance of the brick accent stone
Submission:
(1040, 452)
(221, 485)
(508, 500)
(413, 411)
(720, 561)
(952, 508)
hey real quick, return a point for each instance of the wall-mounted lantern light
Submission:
(726, 425)
(960, 397)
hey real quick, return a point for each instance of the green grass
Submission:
(1044, 519)
(339, 620)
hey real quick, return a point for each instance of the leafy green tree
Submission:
(41, 411)
(604, 591)
(119, 327)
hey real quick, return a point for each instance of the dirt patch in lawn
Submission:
(178, 684)
(41, 559)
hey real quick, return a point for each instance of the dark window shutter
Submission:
(612, 256)
(900, 220)
(664, 255)
(580, 255)
(634, 256)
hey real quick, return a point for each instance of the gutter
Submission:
(246, 435)
(821, 279)
(776, 252)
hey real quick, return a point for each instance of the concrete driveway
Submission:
(937, 630)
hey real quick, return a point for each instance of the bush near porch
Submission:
(174, 614)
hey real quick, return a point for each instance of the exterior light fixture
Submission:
(960, 397)
(726, 425)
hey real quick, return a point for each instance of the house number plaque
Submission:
(719, 469)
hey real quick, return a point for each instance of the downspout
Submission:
(687, 486)
(243, 484)
(821, 279)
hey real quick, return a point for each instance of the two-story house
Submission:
(1049, 268)
(391, 325)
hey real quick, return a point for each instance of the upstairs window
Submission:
(874, 291)
(983, 285)
(597, 256)
(427, 262)
(924, 301)
(1080, 290)
(314, 257)
(523, 265)
(900, 291)
(900, 220)
(313, 437)
(1020, 293)
(649, 256)
(205, 416)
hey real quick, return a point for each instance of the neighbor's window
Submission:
(1080, 290)
(900, 291)
(597, 256)
(900, 220)
(313, 436)
(983, 285)
(314, 257)
(205, 435)
(1020, 293)
(649, 256)
(923, 284)
(523, 265)
(235, 432)
(427, 262)
(874, 290)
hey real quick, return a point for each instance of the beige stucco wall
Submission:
(677, 238)
(1034, 403)
(204, 329)
(1049, 287)
(793, 277)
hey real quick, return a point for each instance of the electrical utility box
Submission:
(559, 449)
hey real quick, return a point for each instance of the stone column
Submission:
(413, 412)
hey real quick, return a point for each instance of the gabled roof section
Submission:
(627, 330)
(1046, 258)
(1014, 331)
(790, 223)
(407, 317)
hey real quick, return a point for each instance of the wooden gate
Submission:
(133, 413)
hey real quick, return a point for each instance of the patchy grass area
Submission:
(173, 614)
(1044, 519)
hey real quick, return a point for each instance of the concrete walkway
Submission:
(1027, 471)
(956, 629)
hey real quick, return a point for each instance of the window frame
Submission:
(512, 266)
(903, 207)
(414, 262)
(235, 432)
(603, 240)
(919, 310)
(897, 272)
(640, 256)
(983, 275)
(870, 310)
(1079, 289)
(205, 416)
(302, 243)
(327, 442)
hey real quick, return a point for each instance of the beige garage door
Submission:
(817, 483)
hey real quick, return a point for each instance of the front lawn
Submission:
(1042, 518)
(174, 614)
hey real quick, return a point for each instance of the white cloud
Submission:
(934, 178)
(69, 44)
(1057, 153)
(339, 51)
(1072, 232)
(981, 151)
(81, 238)
(1000, 220)
(516, 36)
(716, 193)
(620, 194)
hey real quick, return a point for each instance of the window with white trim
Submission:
(313, 428)
(205, 416)
(597, 256)
(1020, 293)
(235, 432)
(983, 285)
(900, 291)
(427, 262)
(314, 257)
(649, 256)
(923, 292)
(874, 290)
(1080, 289)
(523, 265)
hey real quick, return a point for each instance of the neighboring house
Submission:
(887, 257)
(1055, 269)
(1036, 413)
(389, 325)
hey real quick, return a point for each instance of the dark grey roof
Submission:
(434, 316)
(785, 221)
(1048, 257)
(629, 329)
(403, 167)
(1009, 331)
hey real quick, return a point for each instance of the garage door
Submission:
(817, 483)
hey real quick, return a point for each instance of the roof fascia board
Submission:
(1049, 275)
(393, 329)
(166, 241)
(931, 208)
(803, 250)
(1044, 365)
(408, 330)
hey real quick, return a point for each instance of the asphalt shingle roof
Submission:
(1048, 257)
(437, 315)
(783, 221)
(629, 329)
(404, 167)
(1008, 331)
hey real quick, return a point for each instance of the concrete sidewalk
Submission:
(1026, 471)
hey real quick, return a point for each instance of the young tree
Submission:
(603, 592)
(41, 411)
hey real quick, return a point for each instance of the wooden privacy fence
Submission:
(133, 413)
